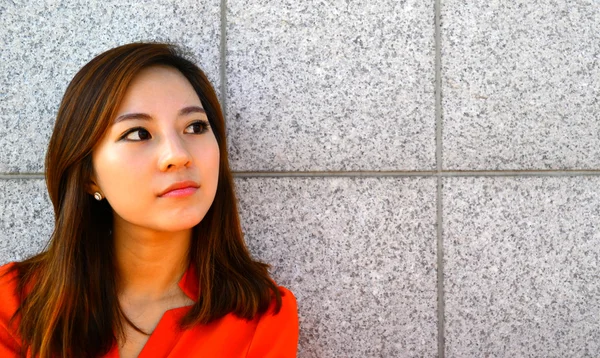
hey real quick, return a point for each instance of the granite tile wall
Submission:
(44, 43)
(359, 254)
(344, 186)
(330, 85)
(522, 266)
(521, 83)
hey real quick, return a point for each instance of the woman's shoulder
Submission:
(277, 332)
(8, 292)
(287, 310)
(289, 306)
(8, 284)
(9, 305)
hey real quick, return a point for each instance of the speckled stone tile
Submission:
(520, 84)
(359, 255)
(26, 218)
(522, 267)
(44, 43)
(333, 85)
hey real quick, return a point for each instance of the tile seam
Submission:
(223, 62)
(418, 174)
(441, 338)
(441, 304)
(9, 176)
(392, 174)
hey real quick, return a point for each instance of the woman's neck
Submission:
(150, 264)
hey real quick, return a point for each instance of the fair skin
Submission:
(157, 166)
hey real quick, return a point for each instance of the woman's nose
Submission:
(173, 153)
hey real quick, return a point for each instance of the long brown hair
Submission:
(69, 305)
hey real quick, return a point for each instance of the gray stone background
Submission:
(422, 174)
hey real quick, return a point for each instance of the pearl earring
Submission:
(98, 196)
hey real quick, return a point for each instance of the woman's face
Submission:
(158, 163)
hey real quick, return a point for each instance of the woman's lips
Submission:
(180, 189)
(180, 193)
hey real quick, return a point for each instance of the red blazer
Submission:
(268, 336)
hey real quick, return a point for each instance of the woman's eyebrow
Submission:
(184, 111)
(191, 109)
(127, 116)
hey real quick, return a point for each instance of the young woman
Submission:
(147, 256)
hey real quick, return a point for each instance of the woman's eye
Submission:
(137, 134)
(197, 127)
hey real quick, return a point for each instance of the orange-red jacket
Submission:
(268, 336)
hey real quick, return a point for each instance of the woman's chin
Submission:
(180, 223)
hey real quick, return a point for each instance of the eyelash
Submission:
(204, 126)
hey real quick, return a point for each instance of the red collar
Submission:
(189, 283)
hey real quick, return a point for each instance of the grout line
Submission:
(334, 174)
(440, 174)
(513, 173)
(223, 63)
(441, 303)
(22, 176)
(438, 93)
(441, 308)
(392, 174)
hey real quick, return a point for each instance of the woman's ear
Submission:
(92, 187)
(94, 190)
